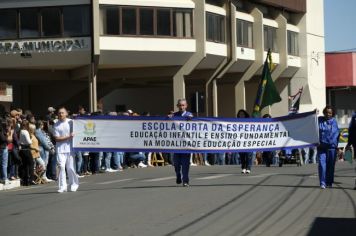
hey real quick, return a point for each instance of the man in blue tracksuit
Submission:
(352, 135)
(181, 161)
(327, 149)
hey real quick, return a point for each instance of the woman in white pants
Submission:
(63, 134)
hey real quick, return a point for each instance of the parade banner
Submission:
(186, 135)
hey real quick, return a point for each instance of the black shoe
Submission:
(178, 181)
(185, 185)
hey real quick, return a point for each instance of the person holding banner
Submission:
(245, 157)
(328, 139)
(63, 133)
(352, 136)
(181, 161)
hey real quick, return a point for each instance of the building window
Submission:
(129, 21)
(182, 23)
(244, 33)
(76, 21)
(110, 21)
(270, 38)
(51, 22)
(56, 22)
(29, 24)
(215, 28)
(164, 22)
(293, 46)
(146, 21)
(8, 25)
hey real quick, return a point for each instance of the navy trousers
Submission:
(327, 159)
(181, 166)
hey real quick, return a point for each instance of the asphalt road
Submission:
(220, 201)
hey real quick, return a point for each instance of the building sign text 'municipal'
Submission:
(65, 45)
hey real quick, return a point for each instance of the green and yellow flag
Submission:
(267, 93)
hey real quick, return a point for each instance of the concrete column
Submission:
(95, 56)
(231, 53)
(197, 57)
(258, 43)
(215, 98)
(282, 84)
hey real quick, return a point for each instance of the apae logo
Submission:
(89, 130)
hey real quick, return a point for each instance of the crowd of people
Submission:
(27, 151)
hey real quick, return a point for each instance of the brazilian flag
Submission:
(267, 93)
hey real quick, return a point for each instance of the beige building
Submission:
(145, 54)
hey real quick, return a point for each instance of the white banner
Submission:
(162, 134)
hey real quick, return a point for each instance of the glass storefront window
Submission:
(146, 21)
(51, 22)
(8, 25)
(129, 21)
(29, 25)
(76, 21)
(164, 22)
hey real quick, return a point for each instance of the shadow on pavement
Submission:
(333, 226)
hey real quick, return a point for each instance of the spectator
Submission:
(45, 146)
(13, 150)
(26, 155)
(4, 133)
(35, 149)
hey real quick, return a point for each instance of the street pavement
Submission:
(220, 201)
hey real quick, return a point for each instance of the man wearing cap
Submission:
(182, 160)
(63, 133)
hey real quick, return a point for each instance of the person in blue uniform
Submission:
(181, 161)
(352, 135)
(328, 143)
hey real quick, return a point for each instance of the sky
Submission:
(340, 25)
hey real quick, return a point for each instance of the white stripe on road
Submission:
(214, 176)
(159, 179)
(115, 181)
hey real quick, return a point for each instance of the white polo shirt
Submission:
(63, 128)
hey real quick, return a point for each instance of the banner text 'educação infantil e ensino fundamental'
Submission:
(163, 134)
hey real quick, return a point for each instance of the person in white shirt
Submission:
(63, 133)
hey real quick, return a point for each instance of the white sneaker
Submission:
(248, 171)
(193, 164)
(109, 170)
(74, 187)
(243, 171)
(142, 165)
(207, 163)
(62, 190)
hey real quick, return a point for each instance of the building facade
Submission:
(145, 54)
(341, 84)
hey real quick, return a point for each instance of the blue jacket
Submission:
(352, 131)
(328, 133)
(184, 114)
